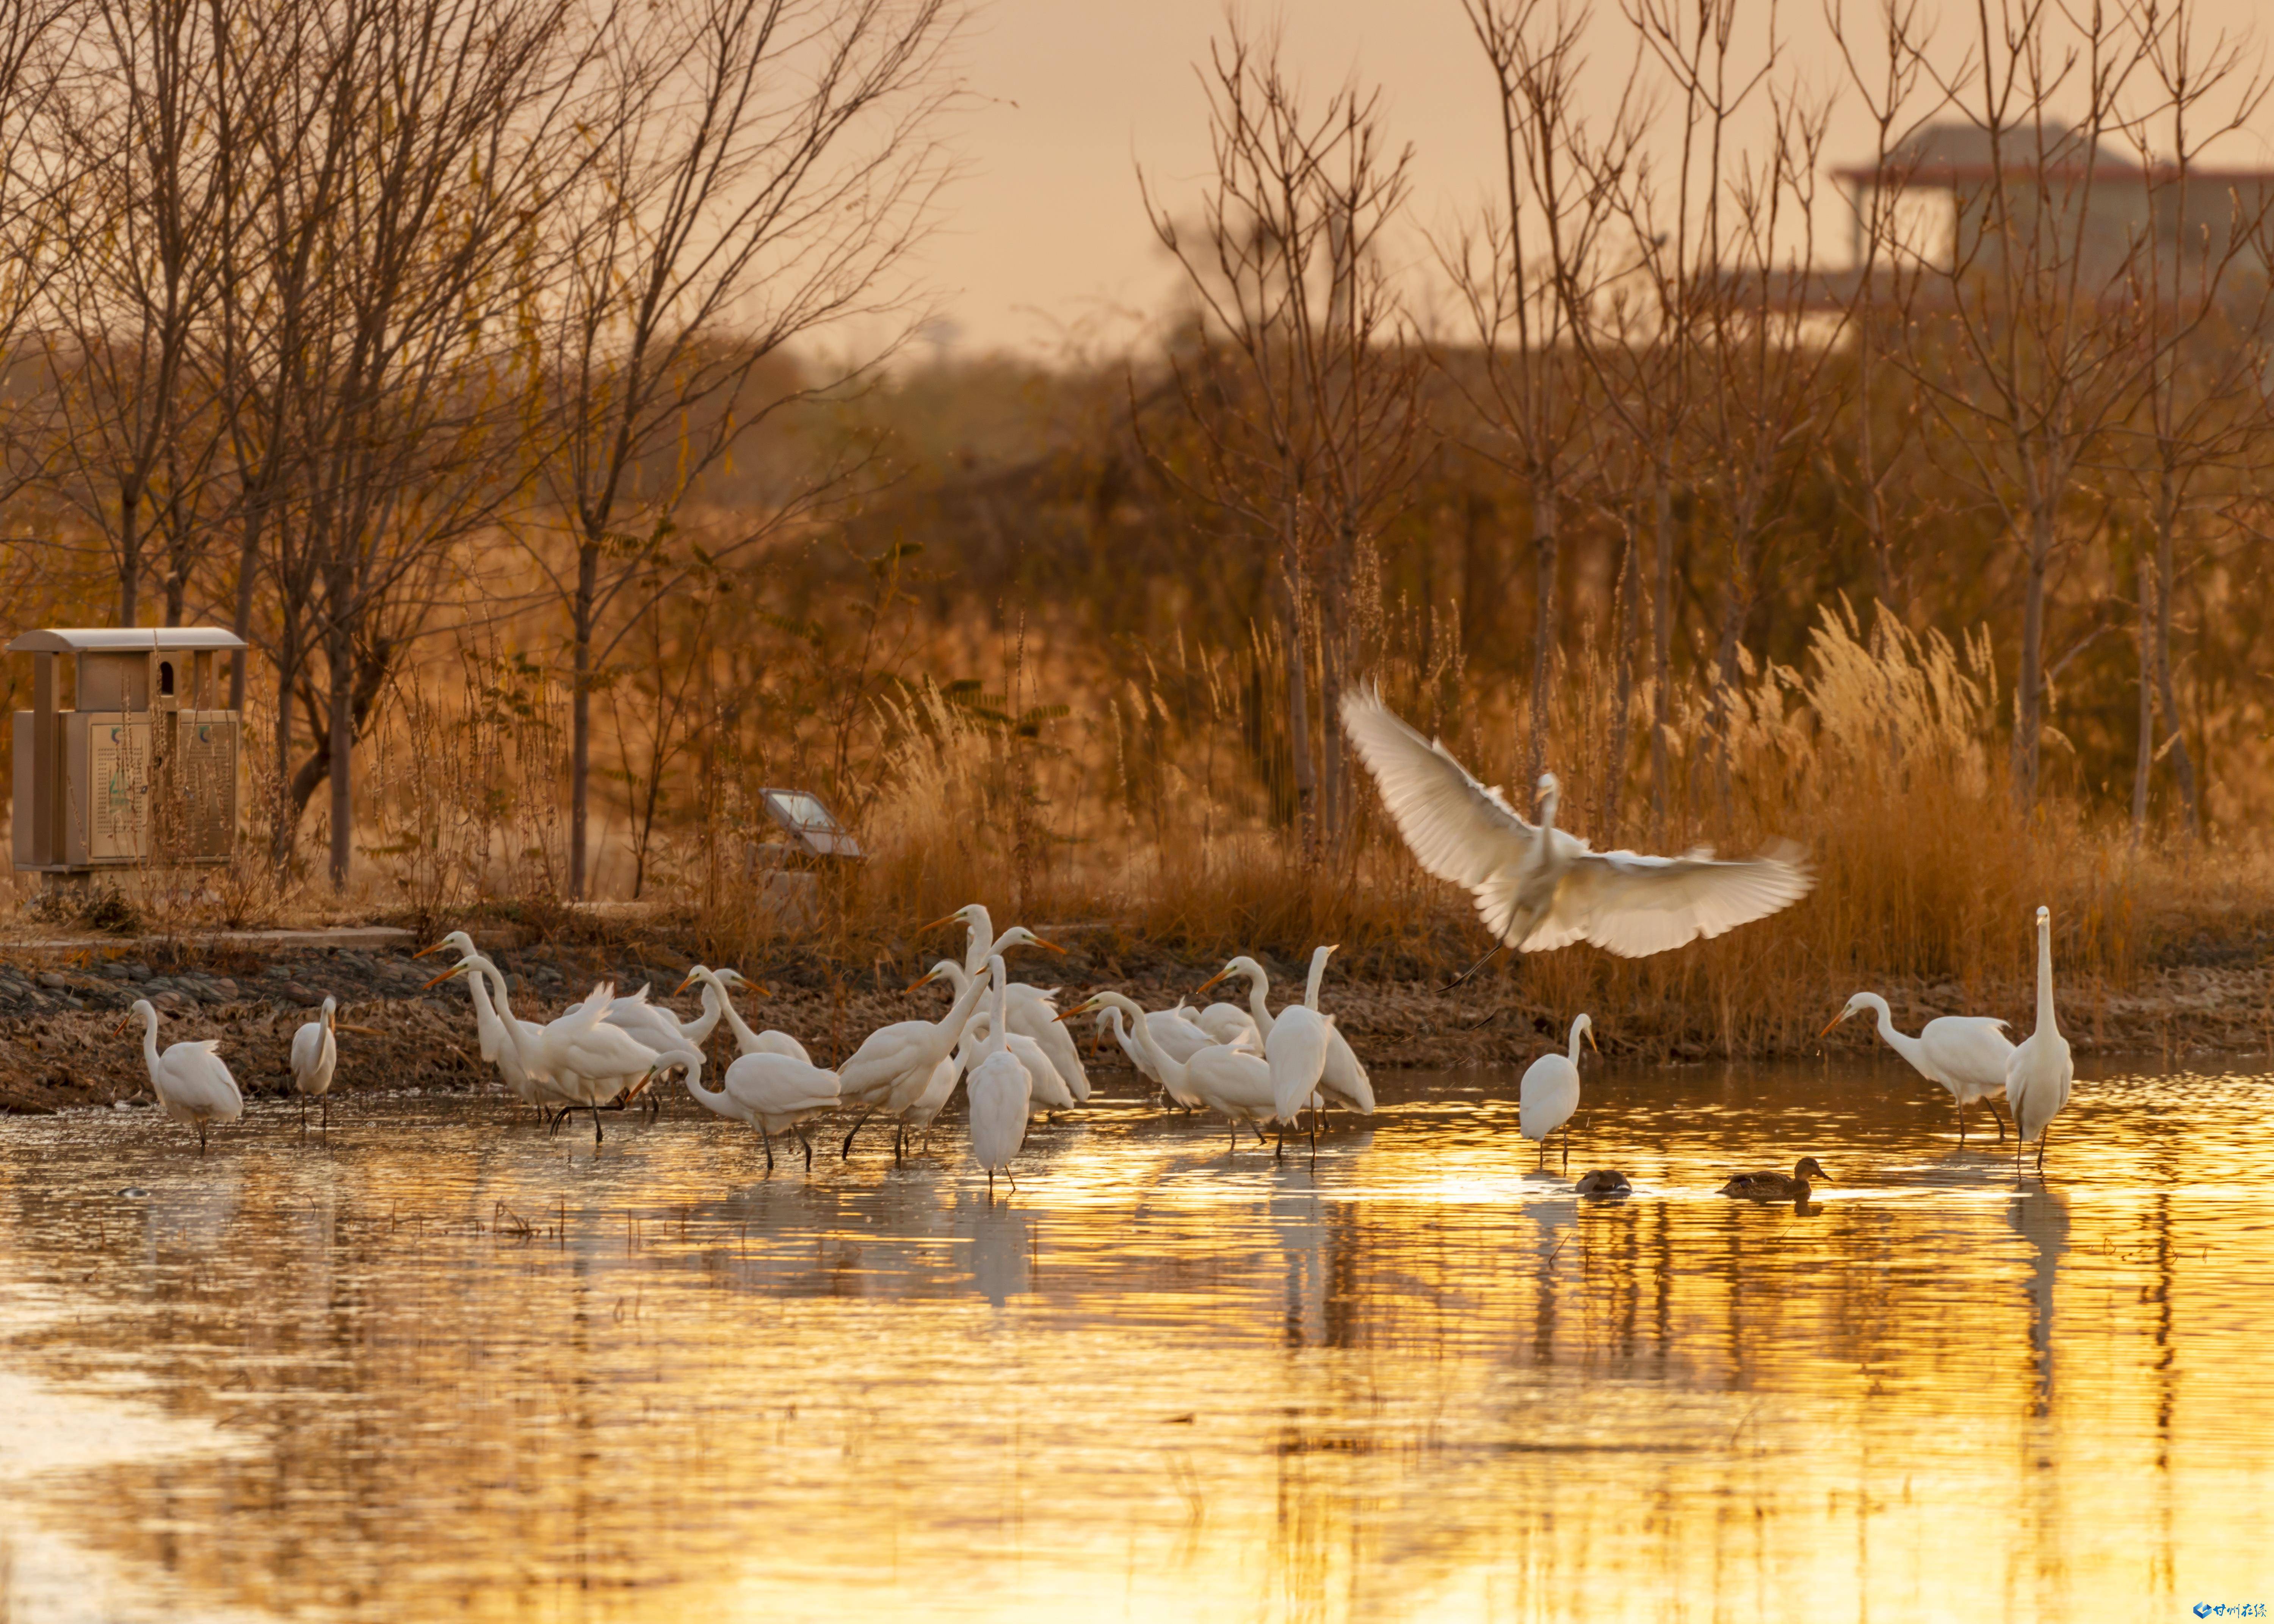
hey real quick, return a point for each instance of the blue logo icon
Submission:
(2202, 1610)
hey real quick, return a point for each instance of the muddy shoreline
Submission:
(60, 1046)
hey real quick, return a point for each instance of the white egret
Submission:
(190, 1080)
(773, 1093)
(1056, 1092)
(1966, 1054)
(590, 1061)
(1344, 1077)
(1296, 1051)
(315, 1055)
(2038, 1075)
(1179, 1039)
(1776, 1186)
(1549, 1092)
(901, 1056)
(1537, 887)
(999, 1085)
(937, 1093)
(1046, 1090)
(1234, 1083)
(505, 1038)
(717, 983)
(1227, 1024)
(1034, 1010)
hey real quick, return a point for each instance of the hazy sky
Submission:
(1045, 238)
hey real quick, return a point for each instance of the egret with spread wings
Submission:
(1539, 888)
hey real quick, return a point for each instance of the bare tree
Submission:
(769, 164)
(1303, 420)
(2198, 281)
(1516, 273)
(137, 445)
(2026, 348)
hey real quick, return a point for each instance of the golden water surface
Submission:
(435, 1364)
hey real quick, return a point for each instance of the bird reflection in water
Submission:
(1002, 1255)
(2041, 1218)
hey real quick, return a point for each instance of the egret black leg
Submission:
(845, 1153)
(800, 1132)
(767, 1140)
(596, 1124)
(324, 1120)
(202, 1138)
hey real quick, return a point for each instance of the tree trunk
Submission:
(1661, 644)
(2143, 757)
(1545, 501)
(283, 827)
(1333, 794)
(2182, 763)
(340, 762)
(248, 559)
(130, 555)
(580, 710)
(1299, 720)
(2030, 682)
(1614, 766)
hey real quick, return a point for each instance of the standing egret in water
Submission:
(506, 1038)
(1537, 887)
(1549, 1092)
(1344, 1077)
(1296, 1052)
(998, 1087)
(1033, 1010)
(2038, 1076)
(901, 1059)
(771, 1092)
(1966, 1054)
(1234, 1083)
(190, 1080)
(315, 1055)
(717, 1002)
(588, 1061)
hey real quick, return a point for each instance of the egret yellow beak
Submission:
(682, 986)
(1598, 1047)
(952, 918)
(369, 1032)
(1834, 1021)
(1083, 1008)
(1053, 946)
(1213, 979)
(929, 976)
(425, 952)
(455, 970)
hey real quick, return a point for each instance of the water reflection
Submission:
(441, 1366)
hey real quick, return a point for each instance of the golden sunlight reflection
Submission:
(439, 1364)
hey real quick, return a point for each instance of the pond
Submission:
(436, 1364)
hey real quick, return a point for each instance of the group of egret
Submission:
(1535, 886)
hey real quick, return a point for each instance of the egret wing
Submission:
(1634, 906)
(1457, 828)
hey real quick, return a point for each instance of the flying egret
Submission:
(771, 1092)
(315, 1055)
(1537, 887)
(901, 1056)
(2038, 1075)
(1776, 1186)
(1231, 1082)
(1296, 1051)
(1549, 1091)
(997, 1086)
(1966, 1054)
(1034, 1010)
(717, 983)
(190, 1080)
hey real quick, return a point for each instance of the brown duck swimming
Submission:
(1603, 1181)
(1776, 1186)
